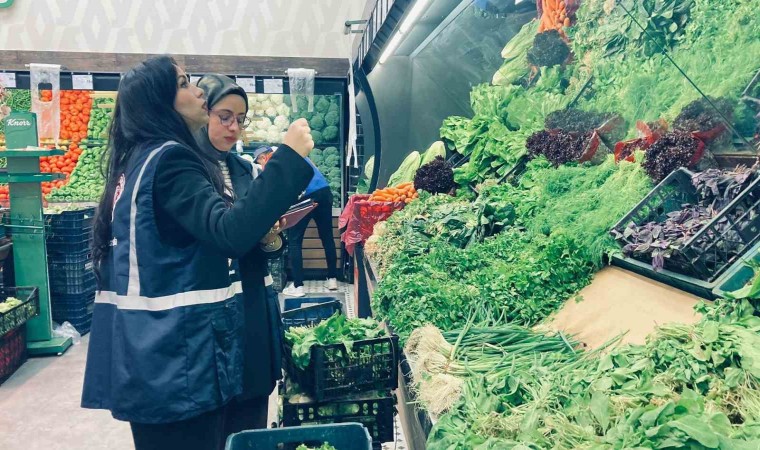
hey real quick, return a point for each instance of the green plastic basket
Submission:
(739, 275)
(343, 436)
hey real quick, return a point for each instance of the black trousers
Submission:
(244, 415)
(322, 216)
(203, 432)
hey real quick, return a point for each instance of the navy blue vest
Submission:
(166, 335)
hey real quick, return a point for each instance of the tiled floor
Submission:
(39, 404)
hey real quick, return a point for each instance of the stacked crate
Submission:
(70, 267)
(340, 385)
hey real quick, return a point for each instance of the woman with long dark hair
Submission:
(165, 345)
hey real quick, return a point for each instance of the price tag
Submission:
(247, 83)
(273, 86)
(81, 82)
(194, 79)
(8, 79)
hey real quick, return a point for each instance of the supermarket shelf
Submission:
(15, 153)
(415, 422)
(30, 177)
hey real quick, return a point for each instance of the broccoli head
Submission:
(317, 137)
(334, 108)
(331, 151)
(330, 133)
(317, 121)
(322, 105)
(303, 104)
(332, 118)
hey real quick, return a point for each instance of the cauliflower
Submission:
(259, 112)
(273, 129)
(283, 110)
(276, 99)
(259, 135)
(271, 111)
(263, 123)
(282, 122)
(273, 137)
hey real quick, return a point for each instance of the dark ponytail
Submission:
(144, 114)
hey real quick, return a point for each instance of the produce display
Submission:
(335, 330)
(269, 116)
(86, 182)
(514, 253)
(324, 119)
(461, 277)
(689, 386)
(716, 189)
(328, 162)
(404, 192)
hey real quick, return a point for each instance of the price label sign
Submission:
(273, 86)
(81, 82)
(247, 83)
(8, 79)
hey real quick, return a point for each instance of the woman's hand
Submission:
(274, 233)
(299, 137)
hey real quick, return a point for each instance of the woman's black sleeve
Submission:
(184, 193)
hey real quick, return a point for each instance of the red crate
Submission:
(12, 352)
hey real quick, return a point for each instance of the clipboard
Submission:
(297, 212)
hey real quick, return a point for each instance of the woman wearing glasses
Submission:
(166, 342)
(228, 104)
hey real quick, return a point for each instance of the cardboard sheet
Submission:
(618, 301)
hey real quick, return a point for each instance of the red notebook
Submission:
(297, 212)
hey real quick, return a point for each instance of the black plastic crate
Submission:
(308, 311)
(712, 250)
(14, 318)
(375, 412)
(342, 436)
(70, 245)
(68, 236)
(334, 371)
(12, 352)
(81, 260)
(72, 301)
(80, 316)
(71, 220)
(72, 284)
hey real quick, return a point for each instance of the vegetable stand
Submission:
(568, 136)
(26, 222)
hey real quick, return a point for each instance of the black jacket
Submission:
(183, 215)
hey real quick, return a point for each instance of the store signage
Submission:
(6, 3)
(273, 86)
(20, 129)
(247, 83)
(8, 79)
(82, 82)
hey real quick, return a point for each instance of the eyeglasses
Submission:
(226, 117)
